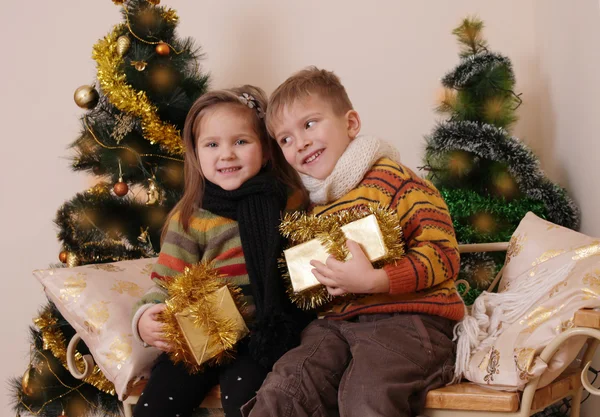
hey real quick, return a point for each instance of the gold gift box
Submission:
(198, 339)
(365, 232)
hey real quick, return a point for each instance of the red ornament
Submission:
(163, 49)
(63, 256)
(121, 189)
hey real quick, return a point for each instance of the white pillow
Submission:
(97, 301)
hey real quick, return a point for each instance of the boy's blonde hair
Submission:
(311, 80)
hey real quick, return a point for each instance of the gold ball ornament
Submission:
(460, 163)
(123, 44)
(163, 49)
(163, 79)
(506, 185)
(484, 223)
(86, 97)
(121, 188)
(62, 256)
(27, 382)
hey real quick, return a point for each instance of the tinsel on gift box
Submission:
(325, 235)
(203, 318)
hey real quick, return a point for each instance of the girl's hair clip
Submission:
(249, 100)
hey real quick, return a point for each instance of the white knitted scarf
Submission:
(350, 169)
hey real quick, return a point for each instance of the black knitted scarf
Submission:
(257, 206)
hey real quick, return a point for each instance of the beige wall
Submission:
(389, 53)
(568, 58)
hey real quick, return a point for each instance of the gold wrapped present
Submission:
(365, 232)
(203, 318)
(375, 228)
(202, 344)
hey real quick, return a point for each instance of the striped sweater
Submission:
(423, 280)
(209, 238)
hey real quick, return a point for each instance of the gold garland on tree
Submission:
(299, 227)
(54, 340)
(190, 292)
(126, 99)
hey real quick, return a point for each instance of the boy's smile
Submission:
(313, 136)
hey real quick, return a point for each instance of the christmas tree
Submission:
(147, 79)
(488, 178)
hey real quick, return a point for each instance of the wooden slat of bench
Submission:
(472, 397)
(469, 396)
(569, 381)
(587, 318)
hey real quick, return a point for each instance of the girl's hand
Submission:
(150, 328)
(356, 275)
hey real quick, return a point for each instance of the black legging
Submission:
(172, 392)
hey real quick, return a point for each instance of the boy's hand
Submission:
(356, 275)
(150, 328)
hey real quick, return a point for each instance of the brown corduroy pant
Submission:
(374, 365)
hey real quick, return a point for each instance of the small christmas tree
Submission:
(130, 140)
(488, 178)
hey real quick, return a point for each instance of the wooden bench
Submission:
(468, 399)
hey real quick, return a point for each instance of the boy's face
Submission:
(312, 136)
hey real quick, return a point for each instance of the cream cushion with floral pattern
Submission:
(550, 272)
(97, 301)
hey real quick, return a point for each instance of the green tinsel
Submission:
(464, 204)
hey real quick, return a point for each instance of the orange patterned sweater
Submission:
(423, 280)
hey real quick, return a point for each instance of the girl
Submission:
(236, 186)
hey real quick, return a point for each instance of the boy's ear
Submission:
(352, 123)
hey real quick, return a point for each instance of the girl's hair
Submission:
(193, 176)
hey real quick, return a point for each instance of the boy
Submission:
(377, 355)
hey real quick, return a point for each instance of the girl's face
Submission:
(228, 147)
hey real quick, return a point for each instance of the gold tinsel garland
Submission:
(55, 342)
(189, 291)
(299, 227)
(126, 99)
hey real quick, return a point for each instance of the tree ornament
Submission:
(506, 186)
(86, 97)
(153, 192)
(121, 188)
(163, 78)
(154, 2)
(484, 223)
(147, 17)
(139, 65)
(27, 382)
(460, 163)
(125, 123)
(144, 236)
(123, 44)
(163, 49)
(118, 2)
(62, 256)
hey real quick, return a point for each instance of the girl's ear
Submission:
(352, 123)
